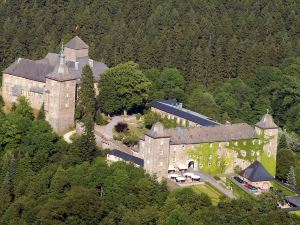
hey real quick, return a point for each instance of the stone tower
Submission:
(269, 129)
(156, 151)
(59, 96)
(76, 48)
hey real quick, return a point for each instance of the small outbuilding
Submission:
(257, 175)
(117, 155)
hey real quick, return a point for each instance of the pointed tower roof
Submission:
(267, 122)
(157, 131)
(256, 172)
(77, 44)
(61, 71)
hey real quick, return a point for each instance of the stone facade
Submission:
(52, 81)
(162, 151)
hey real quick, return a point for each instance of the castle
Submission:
(52, 81)
(216, 149)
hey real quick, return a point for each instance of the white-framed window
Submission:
(148, 162)
(210, 145)
(259, 142)
(219, 145)
(236, 143)
(161, 163)
(244, 143)
(235, 154)
(252, 152)
(257, 153)
(243, 153)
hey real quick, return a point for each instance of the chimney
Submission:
(76, 65)
(180, 105)
(91, 63)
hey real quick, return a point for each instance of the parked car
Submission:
(239, 180)
(252, 188)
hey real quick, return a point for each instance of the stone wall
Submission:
(72, 54)
(60, 104)
(9, 81)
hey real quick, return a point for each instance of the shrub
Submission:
(237, 169)
(151, 118)
(100, 119)
(130, 140)
(138, 116)
(121, 127)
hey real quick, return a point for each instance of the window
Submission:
(269, 154)
(161, 163)
(210, 157)
(161, 142)
(67, 105)
(210, 145)
(227, 154)
(219, 145)
(253, 142)
(161, 152)
(236, 143)
(244, 153)
(148, 162)
(67, 95)
(252, 153)
(257, 153)
(244, 143)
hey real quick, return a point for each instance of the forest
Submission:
(46, 181)
(230, 60)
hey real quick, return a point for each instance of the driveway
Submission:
(107, 130)
(207, 178)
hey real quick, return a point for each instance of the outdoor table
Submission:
(180, 179)
(195, 177)
(174, 175)
(188, 174)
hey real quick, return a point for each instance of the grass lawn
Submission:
(135, 129)
(212, 193)
(297, 213)
(286, 191)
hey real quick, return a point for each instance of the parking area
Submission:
(244, 184)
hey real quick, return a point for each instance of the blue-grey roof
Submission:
(256, 173)
(127, 157)
(172, 107)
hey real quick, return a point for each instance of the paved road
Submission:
(213, 182)
(68, 135)
(107, 130)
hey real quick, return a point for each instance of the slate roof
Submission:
(76, 43)
(40, 69)
(172, 107)
(126, 157)
(29, 69)
(256, 173)
(294, 200)
(210, 134)
(267, 122)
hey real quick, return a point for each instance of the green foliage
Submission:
(86, 102)
(42, 114)
(291, 177)
(150, 118)
(123, 87)
(101, 119)
(23, 108)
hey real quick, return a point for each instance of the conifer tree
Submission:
(41, 115)
(86, 97)
(291, 177)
